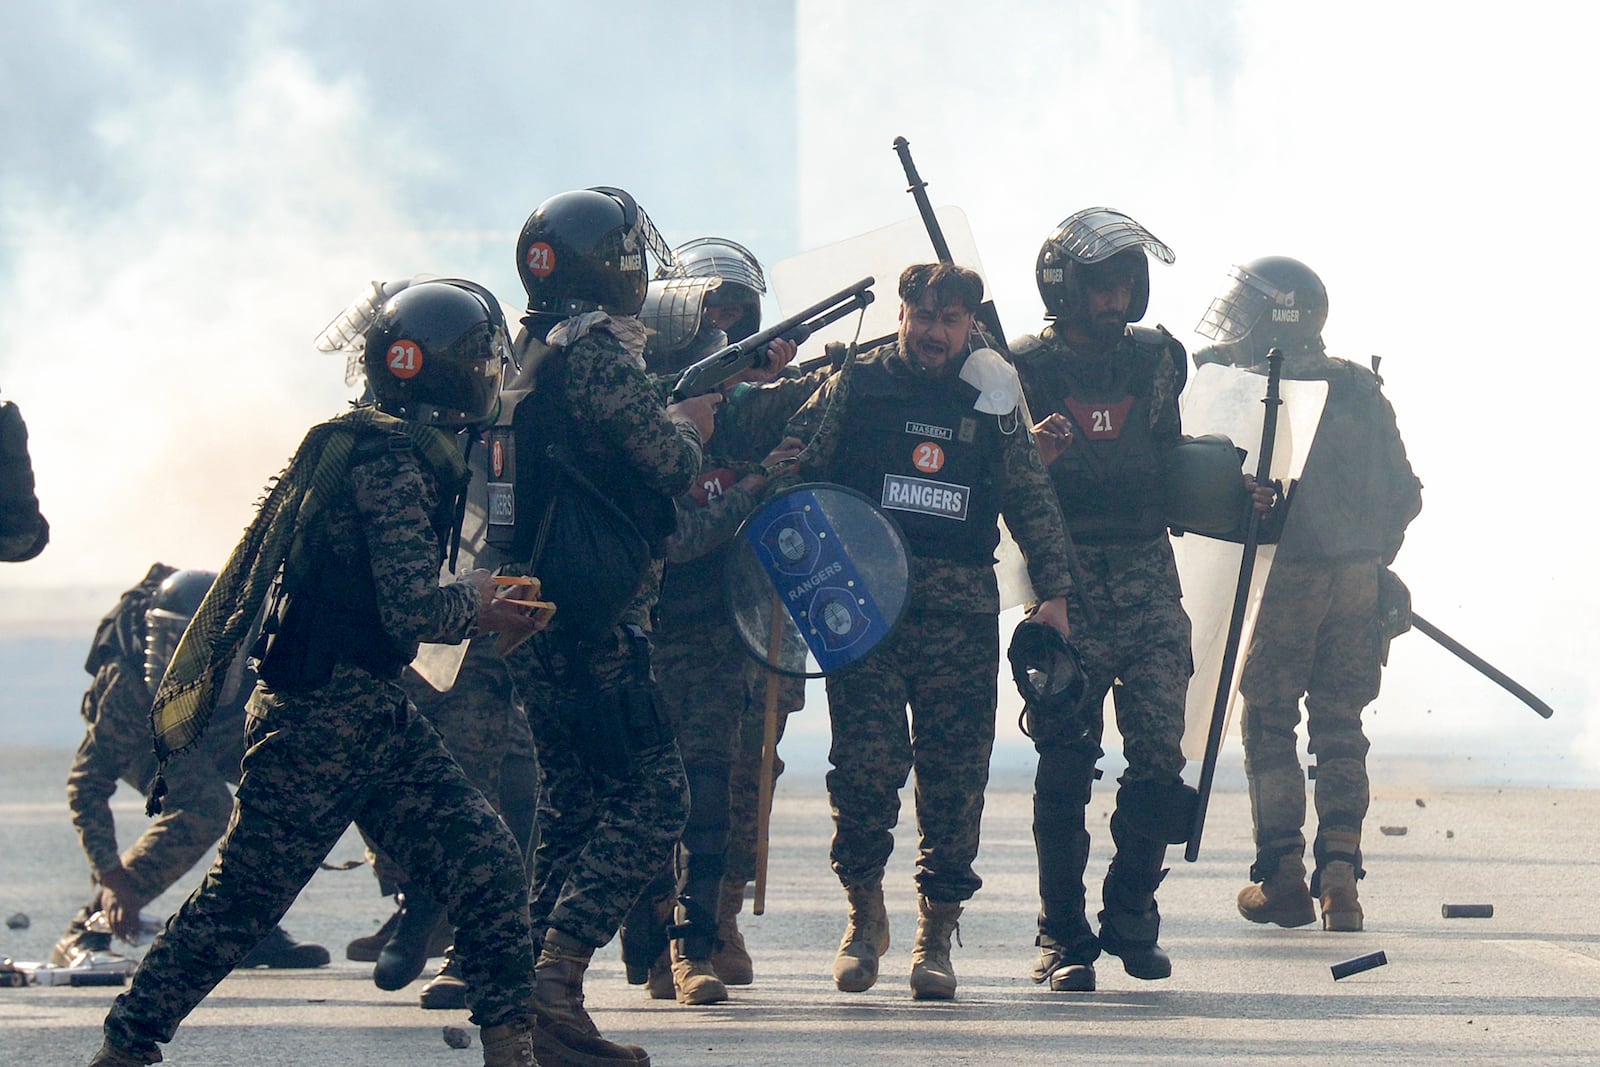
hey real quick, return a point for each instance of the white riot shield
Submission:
(1228, 400)
(803, 279)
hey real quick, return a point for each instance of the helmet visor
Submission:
(1236, 310)
(1098, 233)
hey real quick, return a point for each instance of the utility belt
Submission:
(611, 728)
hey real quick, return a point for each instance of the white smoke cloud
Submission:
(1425, 162)
(160, 346)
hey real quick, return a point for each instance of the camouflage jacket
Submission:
(616, 408)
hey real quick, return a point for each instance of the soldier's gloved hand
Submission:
(120, 903)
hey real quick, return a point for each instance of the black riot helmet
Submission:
(584, 250)
(743, 283)
(1091, 242)
(1046, 667)
(175, 602)
(436, 353)
(1276, 301)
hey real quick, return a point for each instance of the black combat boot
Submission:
(1129, 919)
(279, 951)
(1067, 945)
(406, 954)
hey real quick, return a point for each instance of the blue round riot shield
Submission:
(816, 579)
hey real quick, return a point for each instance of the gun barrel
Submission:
(713, 370)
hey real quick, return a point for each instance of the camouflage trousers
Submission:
(604, 832)
(484, 728)
(354, 749)
(943, 665)
(1316, 637)
(1129, 627)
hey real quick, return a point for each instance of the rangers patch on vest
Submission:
(929, 498)
(1099, 420)
(927, 429)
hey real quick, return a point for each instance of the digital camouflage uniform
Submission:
(610, 811)
(706, 676)
(352, 748)
(942, 660)
(1128, 624)
(1316, 635)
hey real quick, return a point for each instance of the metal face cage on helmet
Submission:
(743, 283)
(584, 251)
(436, 353)
(1089, 237)
(1270, 301)
(175, 602)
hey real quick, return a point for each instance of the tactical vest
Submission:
(1109, 479)
(919, 449)
(331, 614)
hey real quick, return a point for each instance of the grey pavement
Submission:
(1522, 987)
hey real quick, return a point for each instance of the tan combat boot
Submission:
(933, 977)
(1282, 897)
(507, 1045)
(1338, 868)
(731, 960)
(563, 1033)
(694, 980)
(866, 937)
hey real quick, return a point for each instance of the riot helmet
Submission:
(1092, 244)
(584, 250)
(1275, 301)
(743, 281)
(175, 602)
(436, 353)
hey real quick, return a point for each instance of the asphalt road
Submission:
(1521, 987)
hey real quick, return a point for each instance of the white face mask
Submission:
(997, 383)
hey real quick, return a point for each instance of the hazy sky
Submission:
(187, 194)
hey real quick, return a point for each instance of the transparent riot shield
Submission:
(883, 253)
(1228, 401)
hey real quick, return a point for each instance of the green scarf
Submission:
(277, 537)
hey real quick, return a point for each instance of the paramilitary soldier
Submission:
(1109, 395)
(613, 798)
(131, 649)
(905, 425)
(351, 537)
(479, 718)
(704, 675)
(1318, 634)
